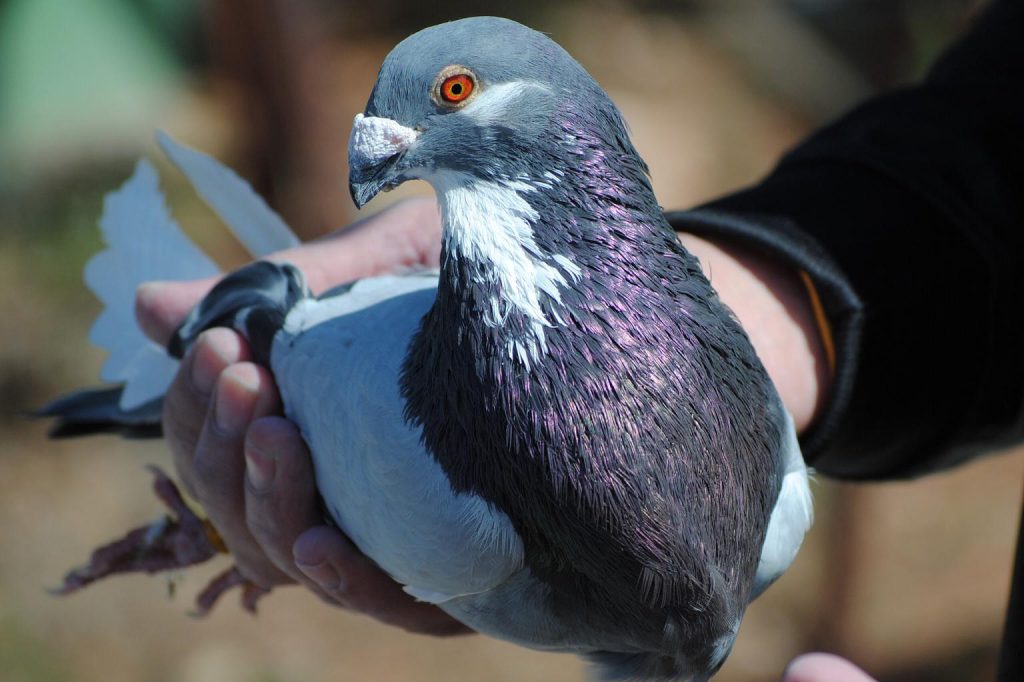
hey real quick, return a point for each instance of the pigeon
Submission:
(562, 437)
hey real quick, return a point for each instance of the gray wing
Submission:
(337, 362)
(791, 517)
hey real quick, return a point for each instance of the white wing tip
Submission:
(260, 230)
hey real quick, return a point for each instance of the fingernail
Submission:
(325, 575)
(148, 292)
(259, 468)
(231, 411)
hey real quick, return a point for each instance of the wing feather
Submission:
(791, 517)
(338, 362)
(260, 230)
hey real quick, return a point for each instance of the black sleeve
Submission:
(908, 214)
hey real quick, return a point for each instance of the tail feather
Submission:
(99, 411)
(143, 243)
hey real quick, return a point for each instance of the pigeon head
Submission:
(537, 181)
(474, 99)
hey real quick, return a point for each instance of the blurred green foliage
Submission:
(74, 71)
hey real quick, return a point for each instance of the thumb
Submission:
(161, 306)
(820, 667)
(407, 234)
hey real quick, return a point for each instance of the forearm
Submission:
(914, 199)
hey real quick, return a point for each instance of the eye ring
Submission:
(454, 86)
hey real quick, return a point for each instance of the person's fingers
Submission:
(280, 490)
(407, 234)
(341, 571)
(243, 392)
(819, 667)
(187, 401)
(161, 306)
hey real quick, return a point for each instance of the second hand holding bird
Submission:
(251, 470)
(247, 466)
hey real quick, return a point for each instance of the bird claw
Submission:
(207, 599)
(172, 542)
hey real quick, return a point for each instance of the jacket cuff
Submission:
(842, 308)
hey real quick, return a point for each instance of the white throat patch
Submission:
(489, 223)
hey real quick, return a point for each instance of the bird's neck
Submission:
(520, 254)
(542, 276)
(574, 345)
(495, 273)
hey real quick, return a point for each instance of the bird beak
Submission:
(375, 146)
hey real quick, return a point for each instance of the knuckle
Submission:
(341, 591)
(262, 524)
(180, 429)
(213, 480)
(206, 469)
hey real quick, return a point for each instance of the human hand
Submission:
(824, 668)
(248, 467)
(276, 533)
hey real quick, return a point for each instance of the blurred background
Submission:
(908, 579)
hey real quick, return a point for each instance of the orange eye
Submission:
(457, 88)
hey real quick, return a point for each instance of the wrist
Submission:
(775, 308)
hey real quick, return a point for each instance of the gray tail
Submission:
(98, 411)
(254, 301)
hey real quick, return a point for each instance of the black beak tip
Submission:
(364, 183)
(367, 180)
(363, 191)
(353, 191)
